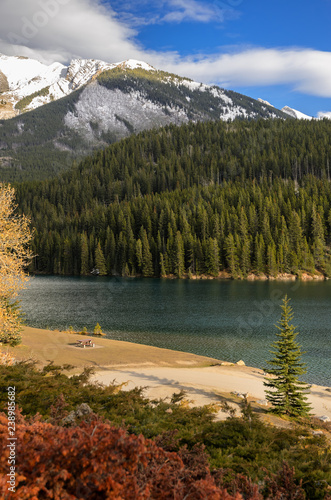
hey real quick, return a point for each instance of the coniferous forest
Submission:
(242, 197)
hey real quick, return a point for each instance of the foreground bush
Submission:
(238, 447)
(96, 460)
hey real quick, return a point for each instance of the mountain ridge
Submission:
(41, 83)
(102, 103)
(62, 80)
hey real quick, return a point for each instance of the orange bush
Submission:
(98, 461)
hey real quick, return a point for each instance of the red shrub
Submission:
(283, 486)
(97, 461)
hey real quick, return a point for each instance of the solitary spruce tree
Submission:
(287, 394)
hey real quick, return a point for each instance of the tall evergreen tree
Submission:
(179, 255)
(318, 239)
(286, 392)
(272, 264)
(231, 255)
(139, 255)
(162, 266)
(84, 268)
(259, 252)
(100, 262)
(147, 262)
(212, 257)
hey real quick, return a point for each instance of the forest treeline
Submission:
(200, 198)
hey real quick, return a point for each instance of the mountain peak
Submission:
(265, 102)
(295, 113)
(81, 71)
(134, 64)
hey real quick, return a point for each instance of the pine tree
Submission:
(110, 251)
(84, 268)
(318, 239)
(139, 255)
(283, 247)
(287, 394)
(296, 238)
(272, 263)
(259, 252)
(100, 262)
(162, 266)
(245, 257)
(179, 255)
(231, 255)
(212, 257)
(147, 262)
(67, 256)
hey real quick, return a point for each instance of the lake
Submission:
(228, 320)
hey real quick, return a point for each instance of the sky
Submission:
(276, 50)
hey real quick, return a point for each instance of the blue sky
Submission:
(240, 25)
(279, 51)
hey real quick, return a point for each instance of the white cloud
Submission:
(58, 30)
(192, 10)
(144, 12)
(62, 29)
(324, 114)
(306, 70)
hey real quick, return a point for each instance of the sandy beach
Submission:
(161, 371)
(207, 385)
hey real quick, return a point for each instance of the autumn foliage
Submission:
(95, 460)
(15, 236)
(15, 255)
(66, 446)
(98, 461)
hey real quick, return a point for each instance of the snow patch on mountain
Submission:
(192, 85)
(100, 110)
(265, 102)
(295, 113)
(23, 77)
(81, 71)
(134, 64)
(216, 92)
(233, 113)
(201, 87)
(26, 76)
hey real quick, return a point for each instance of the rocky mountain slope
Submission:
(89, 104)
(26, 84)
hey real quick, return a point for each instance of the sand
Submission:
(162, 371)
(207, 385)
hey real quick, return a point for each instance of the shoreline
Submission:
(164, 371)
(222, 276)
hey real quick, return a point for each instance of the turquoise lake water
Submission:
(227, 320)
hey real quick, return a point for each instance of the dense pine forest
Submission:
(202, 198)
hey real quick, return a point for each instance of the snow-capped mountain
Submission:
(31, 83)
(90, 104)
(295, 113)
(26, 84)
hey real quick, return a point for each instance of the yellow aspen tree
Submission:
(6, 359)
(15, 255)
